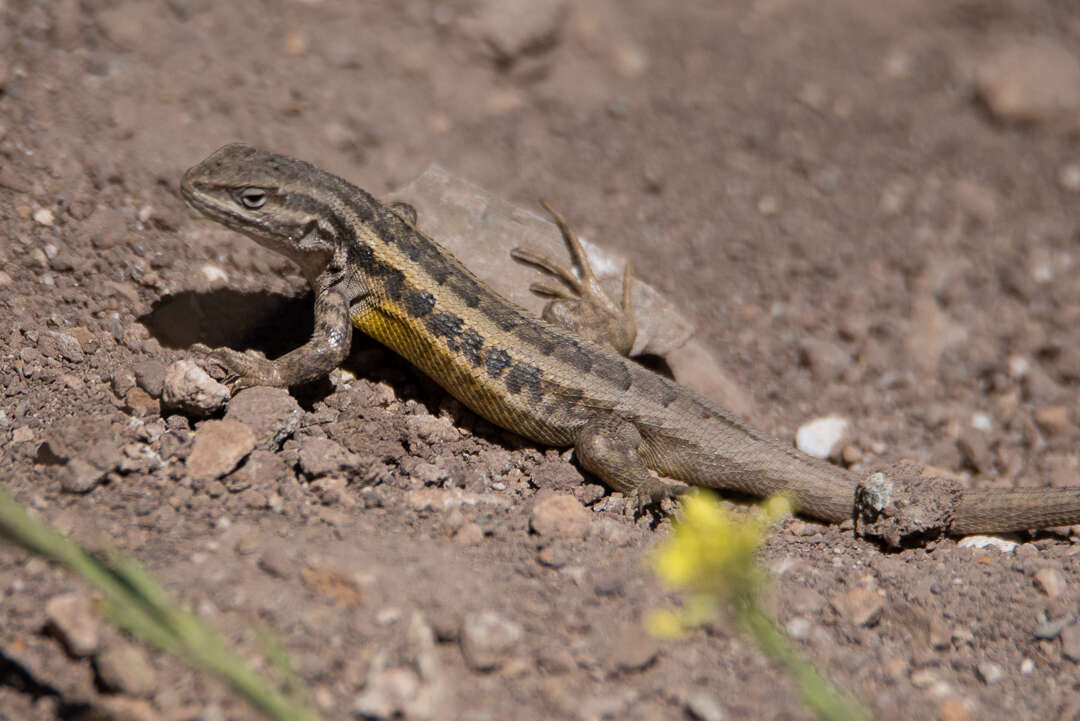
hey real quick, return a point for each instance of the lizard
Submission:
(372, 269)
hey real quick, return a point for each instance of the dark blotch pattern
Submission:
(439, 275)
(418, 303)
(533, 335)
(574, 355)
(361, 256)
(446, 325)
(613, 370)
(522, 376)
(496, 362)
(469, 298)
(471, 345)
(503, 316)
(394, 280)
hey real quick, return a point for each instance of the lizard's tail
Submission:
(1015, 509)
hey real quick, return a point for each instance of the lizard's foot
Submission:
(653, 492)
(582, 306)
(241, 370)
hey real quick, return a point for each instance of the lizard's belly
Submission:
(464, 373)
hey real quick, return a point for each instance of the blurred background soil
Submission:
(867, 209)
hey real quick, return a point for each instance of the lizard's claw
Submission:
(240, 370)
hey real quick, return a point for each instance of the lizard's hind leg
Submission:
(583, 306)
(608, 447)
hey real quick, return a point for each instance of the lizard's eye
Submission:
(252, 198)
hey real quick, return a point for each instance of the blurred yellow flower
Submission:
(712, 551)
(712, 555)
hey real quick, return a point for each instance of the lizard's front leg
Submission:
(327, 349)
(607, 446)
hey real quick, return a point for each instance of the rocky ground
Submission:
(868, 209)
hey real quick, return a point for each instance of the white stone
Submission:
(214, 274)
(998, 544)
(820, 436)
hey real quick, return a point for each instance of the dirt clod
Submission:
(219, 448)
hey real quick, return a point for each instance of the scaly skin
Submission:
(370, 268)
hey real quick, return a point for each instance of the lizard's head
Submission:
(267, 197)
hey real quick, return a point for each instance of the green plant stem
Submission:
(816, 690)
(135, 601)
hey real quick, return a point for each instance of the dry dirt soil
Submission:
(868, 209)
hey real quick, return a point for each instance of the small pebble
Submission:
(1069, 177)
(488, 639)
(1004, 545)
(1050, 581)
(126, 668)
(989, 673)
(705, 706)
(561, 517)
(214, 274)
(187, 387)
(1052, 420)
(72, 617)
(1070, 643)
(818, 437)
(861, 606)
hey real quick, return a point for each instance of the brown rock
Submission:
(263, 470)
(1036, 80)
(977, 200)
(955, 709)
(72, 618)
(140, 403)
(512, 29)
(60, 345)
(974, 450)
(272, 413)
(79, 476)
(1052, 420)
(276, 562)
(219, 447)
(1050, 581)
(470, 534)
(433, 429)
(126, 668)
(861, 606)
(124, 25)
(633, 649)
(150, 375)
(560, 516)
(1070, 642)
(826, 360)
(87, 340)
(488, 639)
(322, 456)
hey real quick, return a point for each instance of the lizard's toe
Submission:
(653, 493)
(240, 370)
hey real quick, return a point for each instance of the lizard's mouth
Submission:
(202, 197)
(189, 189)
